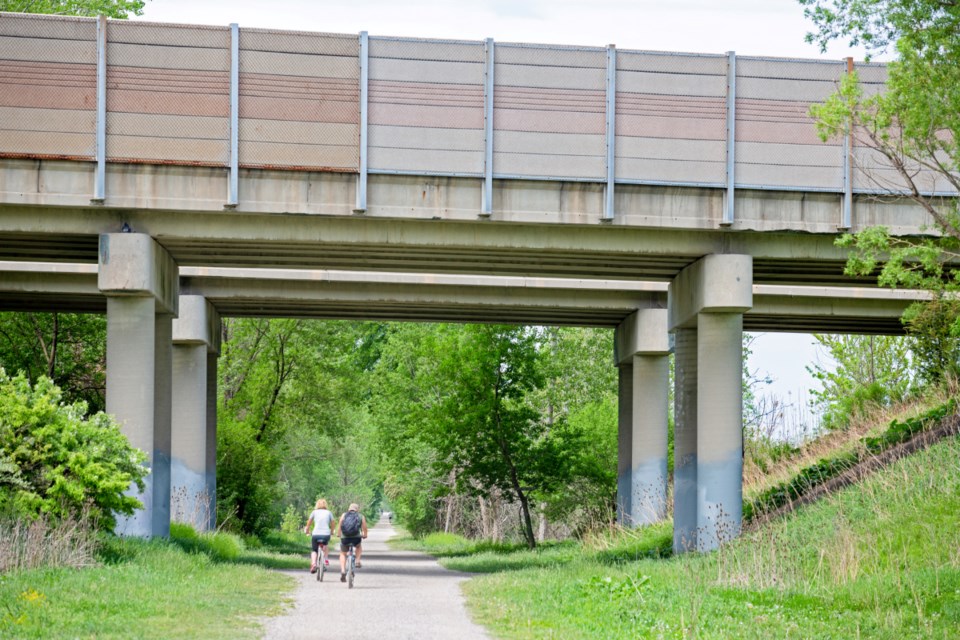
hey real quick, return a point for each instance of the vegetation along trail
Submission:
(397, 595)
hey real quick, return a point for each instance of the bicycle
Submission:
(321, 563)
(351, 564)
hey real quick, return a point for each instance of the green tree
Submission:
(291, 424)
(120, 9)
(915, 125)
(870, 371)
(55, 460)
(69, 348)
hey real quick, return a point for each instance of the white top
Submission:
(322, 522)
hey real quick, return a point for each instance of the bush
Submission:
(292, 521)
(56, 462)
(225, 547)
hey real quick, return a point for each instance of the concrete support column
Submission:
(163, 391)
(651, 381)
(195, 335)
(642, 352)
(707, 301)
(720, 432)
(624, 444)
(140, 281)
(212, 396)
(685, 441)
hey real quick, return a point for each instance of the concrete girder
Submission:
(426, 224)
(443, 297)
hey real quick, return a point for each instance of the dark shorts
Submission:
(346, 542)
(316, 541)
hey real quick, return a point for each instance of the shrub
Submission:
(57, 462)
(225, 547)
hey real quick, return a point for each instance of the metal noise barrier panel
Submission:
(426, 107)
(48, 87)
(168, 93)
(550, 112)
(299, 100)
(872, 171)
(777, 145)
(671, 118)
(168, 101)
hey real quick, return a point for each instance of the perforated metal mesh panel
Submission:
(426, 106)
(671, 118)
(48, 86)
(550, 112)
(777, 142)
(168, 93)
(299, 100)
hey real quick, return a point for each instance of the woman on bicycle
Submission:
(322, 521)
(352, 528)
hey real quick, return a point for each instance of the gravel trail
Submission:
(396, 595)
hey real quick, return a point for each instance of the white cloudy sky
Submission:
(749, 27)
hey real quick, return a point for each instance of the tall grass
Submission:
(41, 542)
(880, 559)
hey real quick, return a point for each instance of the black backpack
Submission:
(350, 527)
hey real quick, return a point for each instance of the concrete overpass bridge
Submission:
(176, 170)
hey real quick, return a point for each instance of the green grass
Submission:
(194, 586)
(877, 560)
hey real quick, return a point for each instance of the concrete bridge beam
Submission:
(196, 345)
(140, 281)
(706, 306)
(642, 354)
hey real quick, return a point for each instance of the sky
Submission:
(748, 27)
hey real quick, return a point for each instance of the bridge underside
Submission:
(452, 298)
(426, 224)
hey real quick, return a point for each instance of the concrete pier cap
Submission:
(134, 264)
(717, 283)
(643, 332)
(198, 323)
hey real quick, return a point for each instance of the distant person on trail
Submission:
(322, 521)
(352, 528)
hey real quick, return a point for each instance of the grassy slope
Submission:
(147, 590)
(878, 560)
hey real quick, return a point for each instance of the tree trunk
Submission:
(450, 499)
(484, 529)
(542, 529)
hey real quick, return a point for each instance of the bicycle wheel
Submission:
(353, 564)
(322, 567)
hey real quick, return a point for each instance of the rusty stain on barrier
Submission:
(176, 163)
(45, 156)
(292, 167)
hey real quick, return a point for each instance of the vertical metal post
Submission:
(608, 209)
(847, 214)
(728, 209)
(233, 186)
(364, 81)
(99, 186)
(486, 200)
